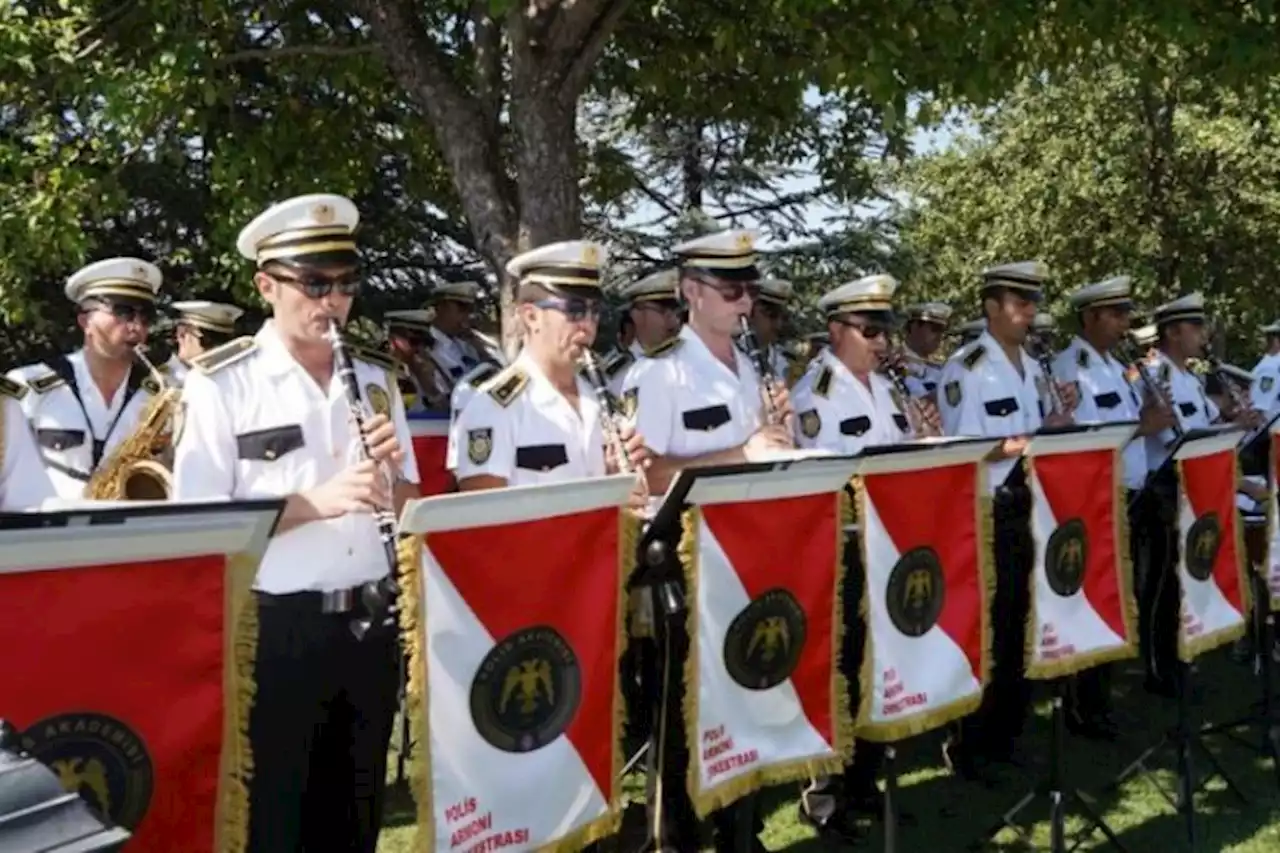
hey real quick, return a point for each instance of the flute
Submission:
(756, 353)
(378, 596)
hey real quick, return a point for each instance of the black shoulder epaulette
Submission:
(46, 383)
(1082, 357)
(507, 385)
(617, 362)
(971, 359)
(229, 353)
(9, 388)
(373, 356)
(822, 385)
(667, 347)
(481, 373)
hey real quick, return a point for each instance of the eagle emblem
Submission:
(525, 682)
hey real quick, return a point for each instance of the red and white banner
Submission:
(514, 627)
(128, 667)
(1083, 612)
(430, 431)
(1211, 562)
(926, 549)
(765, 699)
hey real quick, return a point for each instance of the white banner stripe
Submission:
(479, 791)
(1066, 628)
(768, 724)
(929, 673)
(1205, 611)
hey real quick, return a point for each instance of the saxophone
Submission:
(140, 468)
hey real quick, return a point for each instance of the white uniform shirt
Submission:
(922, 375)
(66, 430)
(1191, 405)
(517, 426)
(24, 482)
(618, 363)
(256, 426)
(982, 395)
(462, 393)
(688, 403)
(175, 370)
(835, 411)
(1264, 392)
(1105, 396)
(454, 356)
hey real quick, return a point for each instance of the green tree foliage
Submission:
(1171, 180)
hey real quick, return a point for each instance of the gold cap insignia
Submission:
(590, 255)
(323, 214)
(743, 240)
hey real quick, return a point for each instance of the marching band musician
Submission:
(1106, 395)
(769, 317)
(969, 332)
(844, 405)
(82, 405)
(423, 386)
(698, 400)
(454, 349)
(1264, 391)
(199, 327)
(268, 416)
(654, 311)
(24, 482)
(1180, 326)
(922, 338)
(993, 388)
(539, 421)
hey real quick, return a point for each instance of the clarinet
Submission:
(891, 364)
(1154, 390)
(610, 414)
(1240, 404)
(1041, 352)
(756, 353)
(379, 597)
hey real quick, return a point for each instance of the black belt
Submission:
(312, 601)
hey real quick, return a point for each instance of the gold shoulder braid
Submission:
(9, 388)
(665, 348)
(47, 382)
(971, 359)
(507, 385)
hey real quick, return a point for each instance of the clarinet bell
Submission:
(380, 601)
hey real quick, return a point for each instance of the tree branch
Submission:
(590, 44)
(293, 50)
(488, 61)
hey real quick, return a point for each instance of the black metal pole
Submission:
(1057, 751)
(1186, 783)
(890, 799)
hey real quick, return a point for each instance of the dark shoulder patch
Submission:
(667, 347)
(9, 388)
(507, 385)
(481, 373)
(45, 383)
(1082, 357)
(229, 353)
(372, 356)
(976, 355)
(617, 363)
(822, 385)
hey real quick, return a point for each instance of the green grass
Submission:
(950, 813)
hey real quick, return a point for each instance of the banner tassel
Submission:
(845, 723)
(1124, 545)
(409, 563)
(987, 567)
(240, 688)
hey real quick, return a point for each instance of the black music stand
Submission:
(1053, 787)
(1184, 738)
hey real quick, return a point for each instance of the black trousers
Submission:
(320, 729)
(1158, 595)
(825, 797)
(993, 729)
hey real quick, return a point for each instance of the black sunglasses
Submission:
(575, 308)
(317, 286)
(127, 313)
(869, 331)
(732, 291)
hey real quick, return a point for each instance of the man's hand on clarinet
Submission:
(641, 457)
(384, 446)
(357, 488)
(1068, 395)
(927, 412)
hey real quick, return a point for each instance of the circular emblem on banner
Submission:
(526, 690)
(763, 643)
(916, 592)
(99, 758)
(1201, 547)
(1065, 557)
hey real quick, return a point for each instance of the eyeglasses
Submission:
(317, 286)
(868, 331)
(575, 308)
(127, 313)
(732, 291)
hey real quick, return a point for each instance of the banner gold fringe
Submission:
(409, 552)
(611, 821)
(727, 793)
(843, 723)
(1064, 667)
(239, 687)
(1190, 650)
(916, 724)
